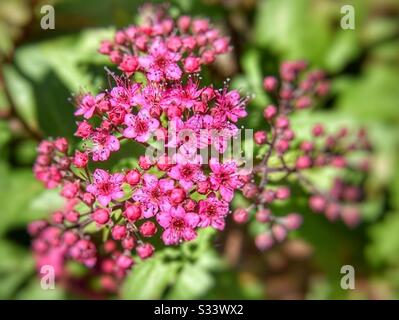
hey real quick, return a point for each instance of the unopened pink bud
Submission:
(270, 83)
(118, 232)
(282, 146)
(148, 229)
(303, 162)
(263, 215)
(133, 177)
(303, 102)
(260, 137)
(292, 221)
(240, 215)
(264, 241)
(61, 144)
(100, 216)
(177, 196)
(279, 232)
(192, 64)
(132, 212)
(270, 112)
(351, 217)
(145, 250)
(317, 203)
(72, 216)
(283, 193)
(124, 262)
(128, 243)
(282, 122)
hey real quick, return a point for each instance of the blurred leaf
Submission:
(23, 199)
(149, 279)
(174, 268)
(46, 73)
(15, 265)
(33, 291)
(292, 29)
(372, 96)
(344, 47)
(384, 244)
(192, 282)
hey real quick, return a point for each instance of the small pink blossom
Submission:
(103, 144)
(141, 126)
(154, 194)
(161, 63)
(124, 95)
(87, 105)
(224, 178)
(106, 187)
(187, 173)
(178, 224)
(213, 212)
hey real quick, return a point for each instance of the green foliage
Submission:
(184, 272)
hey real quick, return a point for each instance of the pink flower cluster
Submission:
(165, 49)
(297, 90)
(171, 196)
(111, 218)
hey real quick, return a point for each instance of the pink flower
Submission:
(103, 144)
(178, 224)
(141, 126)
(161, 64)
(187, 173)
(213, 213)
(106, 187)
(229, 104)
(87, 105)
(129, 64)
(124, 95)
(145, 250)
(219, 131)
(154, 194)
(182, 96)
(224, 178)
(151, 98)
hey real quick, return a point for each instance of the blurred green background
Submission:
(40, 69)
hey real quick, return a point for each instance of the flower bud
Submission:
(118, 232)
(270, 83)
(132, 212)
(264, 241)
(133, 177)
(240, 215)
(100, 216)
(145, 250)
(148, 229)
(260, 137)
(270, 112)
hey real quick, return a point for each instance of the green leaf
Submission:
(384, 244)
(192, 282)
(45, 74)
(373, 96)
(33, 291)
(16, 265)
(292, 29)
(149, 279)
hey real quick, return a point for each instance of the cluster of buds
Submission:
(284, 159)
(164, 48)
(168, 196)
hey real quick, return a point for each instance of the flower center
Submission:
(141, 126)
(105, 187)
(178, 224)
